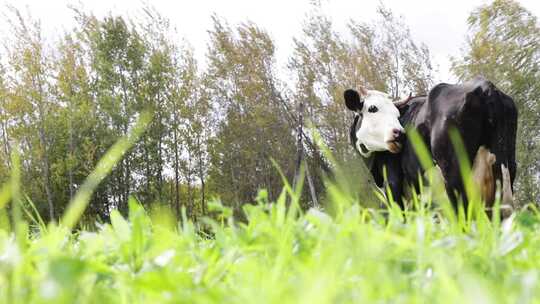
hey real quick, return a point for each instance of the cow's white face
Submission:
(378, 128)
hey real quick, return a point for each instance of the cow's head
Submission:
(377, 127)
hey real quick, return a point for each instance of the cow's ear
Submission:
(352, 100)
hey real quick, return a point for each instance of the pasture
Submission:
(282, 255)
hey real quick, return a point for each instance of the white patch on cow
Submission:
(482, 172)
(377, 130)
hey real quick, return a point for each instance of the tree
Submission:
(252, 127)
(72, 90)
(30, 101)
(5, 122)
(198, 132)
(117, 54)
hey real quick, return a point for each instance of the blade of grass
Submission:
(473, 196)
(5, 194)
(424, 156)
(105, 165)
(420, 148)
(17, 220)
(36, 217)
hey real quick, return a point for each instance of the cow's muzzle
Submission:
(396, 143)
(394, 146)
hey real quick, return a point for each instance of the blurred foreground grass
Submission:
(282, 254)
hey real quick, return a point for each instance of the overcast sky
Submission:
(439, 24)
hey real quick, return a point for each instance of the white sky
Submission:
(439, 24)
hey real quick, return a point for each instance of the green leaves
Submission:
(66, 271)
(251, 126)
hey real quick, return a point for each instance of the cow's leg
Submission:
(445, 157)
(395, 183)
(453, 184)
(394, 177)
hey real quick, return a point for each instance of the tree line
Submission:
(219, 129)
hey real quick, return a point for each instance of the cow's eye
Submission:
(372, 109)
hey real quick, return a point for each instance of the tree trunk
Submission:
(159, 182)
(46, 170)
(176, 175)
(201, 176)
(315, 202)
(125, 128)
(147, 167)
(127, 181)
(7, 147)
(189, 202)
(43, 141)
(299, 145)
(71, 148)
(300, 156)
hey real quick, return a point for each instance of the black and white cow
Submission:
(483, 115)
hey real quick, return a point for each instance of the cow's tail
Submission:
(502, 120)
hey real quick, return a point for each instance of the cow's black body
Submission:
(483, 115)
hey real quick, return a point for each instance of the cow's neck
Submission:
(369, 160)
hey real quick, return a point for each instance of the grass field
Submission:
(280, 256)
(345, 254)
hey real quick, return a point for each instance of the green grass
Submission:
(280, 255)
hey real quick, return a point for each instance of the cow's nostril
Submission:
(398, 134)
